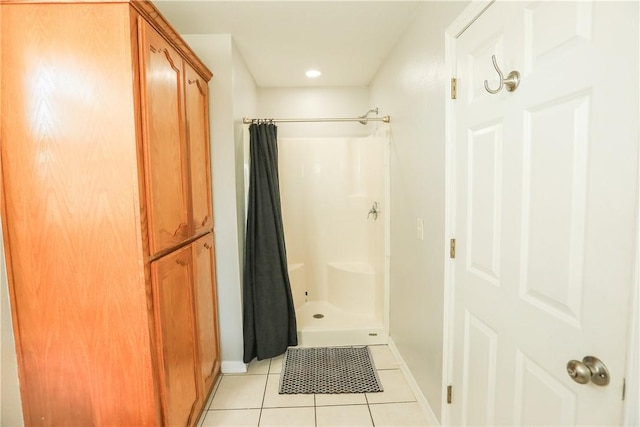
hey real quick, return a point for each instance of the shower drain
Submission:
(318, 316)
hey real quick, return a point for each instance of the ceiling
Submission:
(279, 40)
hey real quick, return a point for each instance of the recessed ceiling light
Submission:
(312, 74)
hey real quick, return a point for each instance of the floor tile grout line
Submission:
(373, 423)
(245, 374)
(216, 385)
(268, 369)
(286, 407)
(231, 409)
(264, 393)
(318, 406)
(341, 404)
(394, 402)
(315, 411)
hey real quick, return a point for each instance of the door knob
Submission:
(590, 369)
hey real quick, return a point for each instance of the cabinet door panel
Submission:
(173, 300)
(197, 107)
(164, 141)
(206, 306)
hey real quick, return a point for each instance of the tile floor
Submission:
(252, 399)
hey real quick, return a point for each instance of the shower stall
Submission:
(334, 194)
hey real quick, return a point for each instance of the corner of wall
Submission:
(233, 94)
(422, 400)
(245, 94)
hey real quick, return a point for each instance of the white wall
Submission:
(231, 90)
(410, 86)
(315, 102)
(245, 101)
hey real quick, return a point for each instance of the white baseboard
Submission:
(233, 367)
(424, 403)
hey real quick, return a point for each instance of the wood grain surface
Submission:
(173, 295)
(71, 215)
(206, 309)
(197, 108)
(164, 141)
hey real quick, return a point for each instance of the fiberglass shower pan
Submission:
(334, 194)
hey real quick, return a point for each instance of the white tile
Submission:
(200, 421)
(232, 418)
(213, 392)
(281, 417)
(395, 386)
(258, 366)
(398, 414)
(272, 399)
(239, 392)
(340, 399)
(383, 357)
(352, 415)
(276, 364)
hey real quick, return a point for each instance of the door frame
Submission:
(631, 415)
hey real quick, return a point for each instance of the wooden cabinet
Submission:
(173, 302)
(206, 309)
(164, 139)
(106, 214)
(189, 356)
(197, 107)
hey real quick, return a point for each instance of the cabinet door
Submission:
(197, 107)
(172, 277)
(164, 140)
(207, 310)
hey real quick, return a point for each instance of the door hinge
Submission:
(452, 248)
(624, 388)
(449, 393)
(454, 88)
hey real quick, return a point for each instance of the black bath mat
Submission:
(329, 370)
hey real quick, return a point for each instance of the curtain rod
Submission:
(363, 120)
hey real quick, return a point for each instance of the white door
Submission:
(545, 209)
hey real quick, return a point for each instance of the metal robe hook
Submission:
(511, 82)
(375, 211)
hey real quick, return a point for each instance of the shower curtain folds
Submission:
(269, 321)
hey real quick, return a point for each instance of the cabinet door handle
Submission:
(206, 245)
(181, 262)
(204, 221)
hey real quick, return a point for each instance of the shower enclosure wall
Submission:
(333, 193)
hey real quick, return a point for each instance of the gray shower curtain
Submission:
(268, 312)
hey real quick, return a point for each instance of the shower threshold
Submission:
(336, 327)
